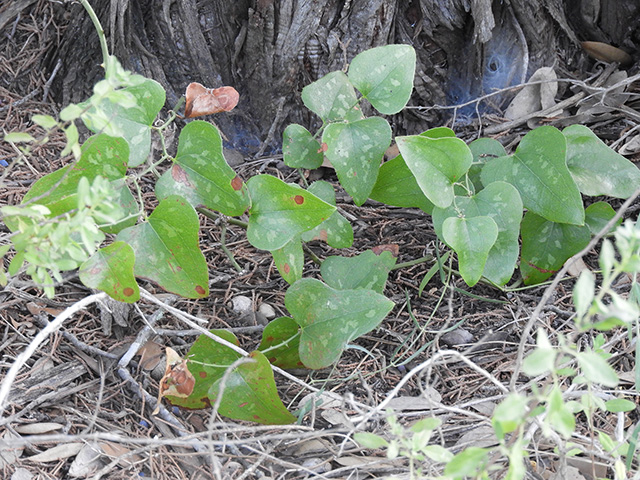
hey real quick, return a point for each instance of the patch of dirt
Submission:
(85, 392)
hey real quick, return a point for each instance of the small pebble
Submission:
(267, 310)
(241, 304)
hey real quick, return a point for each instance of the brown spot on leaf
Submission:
(286, 268)
(180, 175)
(243, 404)
(128, 291)
(202, 374)
(236, 183)
(200, 290)
(299, 199)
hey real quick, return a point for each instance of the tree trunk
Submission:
(269, 50)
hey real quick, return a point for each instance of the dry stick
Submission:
(541, 113)
(188, 319)
(426, 364)
(55, 324)
(549, 291)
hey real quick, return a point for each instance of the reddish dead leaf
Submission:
(204, 101)
(177, 380)
(392, 247)
(323, 148)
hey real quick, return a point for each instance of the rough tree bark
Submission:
(270, 49)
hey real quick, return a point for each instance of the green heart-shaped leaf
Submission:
(102, 155)
(201, 174)
(249, 392)
(367, 270)
(539, 171)
(166, 249)
(331, 318)
(547, 245)
(281, 212)
(134, 123)
(336, 230)
(384, 76)
(289, 260)
(332, 97)
(471, 239)
(596, 168)
(397, 186)
(436, 164)
(281, 342)
(500, 201)
(300, 149)
(110, 269)
(355, 151)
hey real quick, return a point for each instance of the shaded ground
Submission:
(79, 391)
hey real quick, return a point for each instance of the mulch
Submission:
(85, 390)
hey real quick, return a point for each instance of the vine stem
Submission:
(96, 23)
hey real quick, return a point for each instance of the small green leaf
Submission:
(620, 405)
(539, 171)
(300, 149)
(596, 369)
(559, 415)
(509, 414)
(538, 362)
(336, 231)
(436, 163)
(134, 123)
(201, 174)
(384, 76)
(367, 270)
(331, 98)
(331, 318)
(166, 249)
(468, 463)
(71, 112)
(426, 424)
(355, 150)
(397, 186)
(249, 392)
(281, 342)
(597, 215)
(584, 292)
(596, 168)
(110, 269)
(289, 260)
(547, 245)
(45, 121)
(18, 137)
(472, 239)
(370, 440)
(437, 453)
(281, 212)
